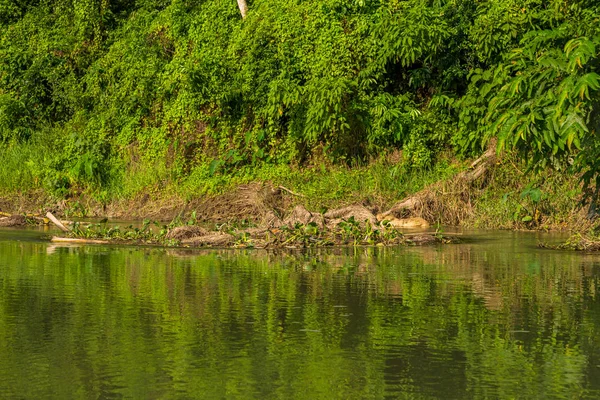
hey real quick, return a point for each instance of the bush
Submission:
(188, 85)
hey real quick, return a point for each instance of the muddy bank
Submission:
(260, 204)
(8, 220)
(13, 221)
(299, 228)
(450, 202)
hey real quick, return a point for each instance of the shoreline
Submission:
(298, 237)
(487, 193)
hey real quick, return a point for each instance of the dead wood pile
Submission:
(447, 202)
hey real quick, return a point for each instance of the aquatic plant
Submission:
(346, 233)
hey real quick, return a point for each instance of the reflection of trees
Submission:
(343, 323)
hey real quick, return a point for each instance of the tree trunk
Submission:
(243, 8)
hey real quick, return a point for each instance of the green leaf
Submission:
(214, 165)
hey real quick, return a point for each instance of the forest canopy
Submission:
(95, 88)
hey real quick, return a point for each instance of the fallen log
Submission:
(56, 239)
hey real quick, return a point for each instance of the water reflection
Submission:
(488, 319)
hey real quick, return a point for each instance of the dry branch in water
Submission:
(56, 222)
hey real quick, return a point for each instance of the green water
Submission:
(493, 318)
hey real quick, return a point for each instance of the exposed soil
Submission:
(13, 220)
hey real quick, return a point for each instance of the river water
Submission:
(494, 317)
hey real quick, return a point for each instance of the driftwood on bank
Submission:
(56, 222)
(414, 222)
(57, 239)
(291, 192)
(480, 166)
(444, 202)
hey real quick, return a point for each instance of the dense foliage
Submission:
(95, 91)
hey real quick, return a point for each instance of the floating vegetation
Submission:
(578, 242)
(348, 232)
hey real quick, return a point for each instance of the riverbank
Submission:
(451, 193)
(348, 226)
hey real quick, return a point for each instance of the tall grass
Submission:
(17, 173)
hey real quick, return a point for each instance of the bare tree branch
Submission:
(243, 8)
